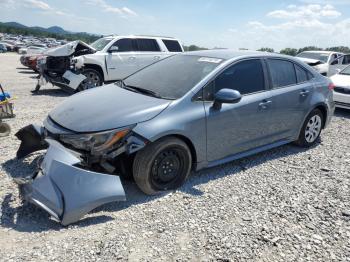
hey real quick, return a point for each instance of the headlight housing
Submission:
(96, 143)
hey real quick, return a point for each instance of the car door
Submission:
(290, 95)
(235, 128)
(121, 59)
(149, 52)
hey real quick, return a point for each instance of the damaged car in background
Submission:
(186, 112)
(78, 66)
(326, 63)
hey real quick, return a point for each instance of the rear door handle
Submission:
(265, 104)
(157, 57)
(132, 57)
(304, 93)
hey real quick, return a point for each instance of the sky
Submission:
(209, 23)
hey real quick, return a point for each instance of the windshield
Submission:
(323, 57)
(345, 71)
(99, 44)
(173, 77)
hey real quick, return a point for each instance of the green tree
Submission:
(289, 51)
(194, 48)
(309, 48)
(342, 49)
(266, 49)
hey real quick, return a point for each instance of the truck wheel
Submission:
(162, 165)
(93, 79)
(5, 129)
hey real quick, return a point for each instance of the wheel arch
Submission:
(324, 110)
(98, 68)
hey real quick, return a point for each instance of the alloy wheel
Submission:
(313, 128)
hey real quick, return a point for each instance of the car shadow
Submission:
(51, 92)
(28, 72)
(341, 112)
(29, 218)
(23, 68)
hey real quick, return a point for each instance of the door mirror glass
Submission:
(226, 96)
(113, 49)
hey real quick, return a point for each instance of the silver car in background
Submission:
(187, 112)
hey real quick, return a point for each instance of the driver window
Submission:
(246, 77)
(124, 45)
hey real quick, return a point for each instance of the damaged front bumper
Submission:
(64, 189)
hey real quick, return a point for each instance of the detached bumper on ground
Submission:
(66, 191)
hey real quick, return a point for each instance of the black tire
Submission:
(304, 140)
(5, 129)
(162, 165)
(93, 79)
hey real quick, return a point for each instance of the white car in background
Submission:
(322, 61)
(341, 95)
(80, 66)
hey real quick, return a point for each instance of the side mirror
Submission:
(113, 49)
(338, 70)
(226, 96)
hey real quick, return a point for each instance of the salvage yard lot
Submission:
(281, 205)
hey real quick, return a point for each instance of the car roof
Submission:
(320, 52)
(227, 54)
(140, 36)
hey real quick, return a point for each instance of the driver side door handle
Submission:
(304, 93)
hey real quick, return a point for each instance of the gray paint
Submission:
(68, 192)
(105, 108)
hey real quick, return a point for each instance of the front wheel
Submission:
(162, 165)
(93, 79)
(311, 129)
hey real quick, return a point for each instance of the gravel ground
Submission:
(287, 204)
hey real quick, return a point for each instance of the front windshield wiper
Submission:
(142, 91)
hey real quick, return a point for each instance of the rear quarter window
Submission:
(302, 74)
(172, 45)
(148, 45)
(282, 73)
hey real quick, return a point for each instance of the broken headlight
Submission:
(96, 143)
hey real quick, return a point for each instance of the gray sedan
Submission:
(187, 112)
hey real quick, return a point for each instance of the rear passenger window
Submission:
(246, 77)
(301, 74)
(148, 45)
(124, 45)
(172, 45)
(282, 73)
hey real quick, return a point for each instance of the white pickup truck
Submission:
(80, 66)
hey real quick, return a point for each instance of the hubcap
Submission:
(313, 128)
(92, 80)
(166, 168)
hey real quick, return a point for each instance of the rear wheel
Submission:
(93, 79)
(162, 165)
(311, 129)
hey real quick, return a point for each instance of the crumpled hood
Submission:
(310, 61)
(104, 108)
(69, 49)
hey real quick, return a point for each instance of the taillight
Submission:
(331, 86)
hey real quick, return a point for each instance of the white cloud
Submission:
(123, 11)
(295, 26)
(306, 12)
(37, 4)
